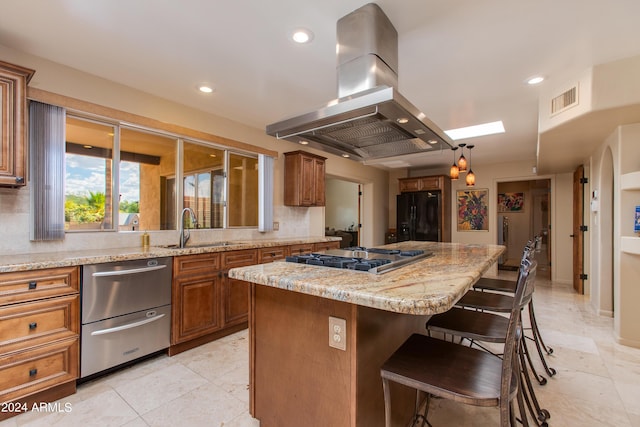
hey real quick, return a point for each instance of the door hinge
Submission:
(584, 228)
(584, 180)
(584, 277)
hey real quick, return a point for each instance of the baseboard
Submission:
(628, 343)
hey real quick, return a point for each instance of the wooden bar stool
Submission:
(460, 373)
(509, 286)
(487, 327)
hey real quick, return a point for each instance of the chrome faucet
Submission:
(185, 234)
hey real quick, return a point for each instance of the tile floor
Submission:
(597, 384)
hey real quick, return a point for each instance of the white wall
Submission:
(294, 222)
(341, 211)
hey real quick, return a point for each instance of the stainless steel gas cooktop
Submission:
(371, 260)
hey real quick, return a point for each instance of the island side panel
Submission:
(379, 334)
(296, 378)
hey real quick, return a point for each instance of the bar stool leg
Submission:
(540, 346)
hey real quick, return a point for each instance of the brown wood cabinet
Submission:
(13, 121)
(301, 249)
(304, 179)
(196, 296)
(206, 304)
(430, 183)
(236, 292)
(39, 329)
(324, 246)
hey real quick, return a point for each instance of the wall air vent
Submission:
(564, 101)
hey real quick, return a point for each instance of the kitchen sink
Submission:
(199, 245)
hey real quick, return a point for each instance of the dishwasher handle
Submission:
(127, 326)
(129, 271)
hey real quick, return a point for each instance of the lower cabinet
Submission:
(236, 292)
(196, 295)
(39, 337)
(206, 303)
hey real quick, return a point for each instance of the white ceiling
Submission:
(463, 62)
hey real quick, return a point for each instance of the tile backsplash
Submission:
(15, 222)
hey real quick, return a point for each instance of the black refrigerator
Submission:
(418, 216)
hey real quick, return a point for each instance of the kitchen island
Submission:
(297, 378)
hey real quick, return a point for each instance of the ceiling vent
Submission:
(564, 101)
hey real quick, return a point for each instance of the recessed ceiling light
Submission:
(477, 130)
(345, 155)
(402, 120)
(88, 147)
(432, 142)
(302, 35)
(205, 88)
(304, 142)
(535, 80)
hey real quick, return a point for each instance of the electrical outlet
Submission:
(276, 226)
(338, 333)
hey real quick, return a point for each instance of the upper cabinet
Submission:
(304, 179)
(13, 133)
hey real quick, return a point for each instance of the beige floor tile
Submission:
(107, 409)
(158, 388)
(208, 405)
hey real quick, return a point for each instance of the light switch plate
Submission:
(338, 333)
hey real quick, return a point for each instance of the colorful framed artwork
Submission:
(510, 202)
(473, 211)
(636, 224)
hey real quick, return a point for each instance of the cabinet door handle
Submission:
(33, 325)
(33, 285)
(33, 372)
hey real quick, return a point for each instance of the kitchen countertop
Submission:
(37, 261)
(429, 286)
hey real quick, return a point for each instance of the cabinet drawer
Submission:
(38, 284)
(301, 249)
(323, 246)
(28, 372)
(239, 258)
(272, 254)
(31, 324)
(196, 264)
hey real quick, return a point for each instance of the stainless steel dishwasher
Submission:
(126, 312)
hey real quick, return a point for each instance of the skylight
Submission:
(475, 131)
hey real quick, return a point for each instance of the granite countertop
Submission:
(37, 261)
(429, 286)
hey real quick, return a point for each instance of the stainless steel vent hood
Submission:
(370, 119)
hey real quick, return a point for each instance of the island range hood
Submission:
(370, 119)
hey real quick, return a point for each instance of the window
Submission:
(88, 175)
(135, 188)
(204, 184)
(243, 190)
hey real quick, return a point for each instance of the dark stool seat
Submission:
(499, 285)
(473, 325)
(448, 370)
(489, 301)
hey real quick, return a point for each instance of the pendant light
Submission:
(454, 172)
(462, 162)
(471, 177)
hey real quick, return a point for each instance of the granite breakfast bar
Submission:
(296, 378)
